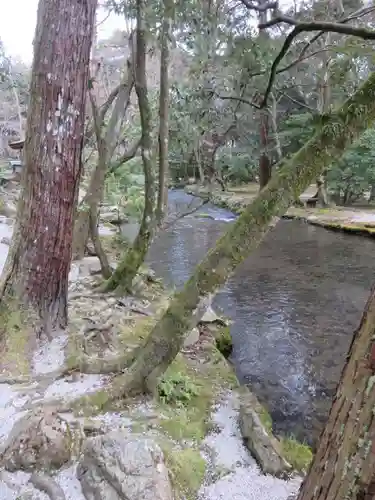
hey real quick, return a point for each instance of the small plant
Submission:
(224, 341)
(299, 455)
(177, 388)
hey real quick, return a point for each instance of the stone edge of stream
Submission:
(325, 218)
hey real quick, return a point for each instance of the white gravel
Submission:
(69, 389)
(50, 356)
(244, 481)
(67, 479)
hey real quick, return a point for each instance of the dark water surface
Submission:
(294, 304)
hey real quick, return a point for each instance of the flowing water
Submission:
(295, 303)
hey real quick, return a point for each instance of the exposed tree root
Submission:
(104, 366)
(48, 485)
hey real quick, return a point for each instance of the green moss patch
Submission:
(299, 455)
(223, 340)
(187, 468)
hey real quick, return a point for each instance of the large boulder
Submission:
(39, 440)
(264, 447)
(119, 466)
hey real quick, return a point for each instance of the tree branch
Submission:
(326, 27)
(299, 103)
(260, 8)
(238, 99)
(307, 26)
(128, 155)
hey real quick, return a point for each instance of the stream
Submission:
(294, 304)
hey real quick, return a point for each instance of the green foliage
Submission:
(125, 188)
(354, 174)
(177, 388)
(299, 455)
(237, 166)
(224, 341)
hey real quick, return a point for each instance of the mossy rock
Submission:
(187, 468)
(223, 341)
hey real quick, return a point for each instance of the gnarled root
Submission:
(48, 485)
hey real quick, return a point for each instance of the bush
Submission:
(177, 388)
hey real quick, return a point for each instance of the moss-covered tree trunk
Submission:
(167, 337)
(127, 269)
(344, 465)
(34, 282)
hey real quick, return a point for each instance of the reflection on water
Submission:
(294, 303)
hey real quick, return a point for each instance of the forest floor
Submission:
(193, 419)
(355, 220)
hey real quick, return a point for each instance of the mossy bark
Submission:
(293, 177)
(344, 465)
(128, 267)
(34, 283)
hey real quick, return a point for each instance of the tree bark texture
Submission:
(162, 200)
(265, 169)
(293, 177)
(128, 267)
(344, 465)
(37, 268)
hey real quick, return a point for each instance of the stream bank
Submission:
(174, 445)
(348, 220)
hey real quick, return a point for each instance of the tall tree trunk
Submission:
(372, 193)
(324, 106)
(265, 169)
(344, 465)
(167, 337)
(128, 267)
(35, 278)
(276, 138)
(163, 112)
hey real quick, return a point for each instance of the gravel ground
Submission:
(232, 472)
(241, 478)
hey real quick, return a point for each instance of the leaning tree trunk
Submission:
(128, 267)
(344, 465)
(167, 337)
(34, 282)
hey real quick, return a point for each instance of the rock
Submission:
(117, 466)
(39, 440)
(210, 316)
(112, 215)
(264, 447)
(192, 338)
(86, 267)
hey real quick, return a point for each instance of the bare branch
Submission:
(237, 99)
(128, 155)
(299, 103)
(260, 8)
(300, 27)
(326, 27)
